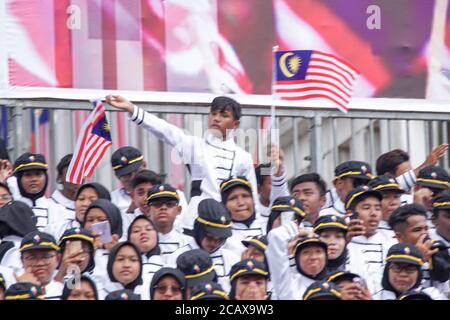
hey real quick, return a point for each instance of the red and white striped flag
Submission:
(308, 74)
(92, 143)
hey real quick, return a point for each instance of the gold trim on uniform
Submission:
(217, 292)
(285, 206)
(330, 224)
(169, 193)
(353, 173)
(79, 236)
(387, 185)
(445, 183)
(48, 244)
(240, 271)
(441, 204)
(404, 256)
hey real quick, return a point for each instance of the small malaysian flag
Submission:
(92, 143)
(310, 74)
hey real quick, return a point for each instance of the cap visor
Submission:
(209, 277)
(406, 261)
(219, 232)
(431, 185)
(129, 168)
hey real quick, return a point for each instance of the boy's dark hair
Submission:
(146, 176)
(401, 214)
(5, 186)
(223, 103)
(259, 170)
(311, 177)
(388, 162)
(64, 163)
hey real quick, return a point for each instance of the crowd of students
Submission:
(245, 233)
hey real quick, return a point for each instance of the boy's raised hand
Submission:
(120, 102)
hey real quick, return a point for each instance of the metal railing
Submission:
(314, 140)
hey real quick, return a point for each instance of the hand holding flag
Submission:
(92, 143)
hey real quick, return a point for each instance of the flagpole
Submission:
(274, 139)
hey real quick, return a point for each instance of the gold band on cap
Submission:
(78, 236)
(37, 164)
(312, 240)
(349, 202)
(259, 243)
(241, 271)
(381, 186)
(285, 206)
(23, 296)
(167, 193)
(353, 173)
(193, 276)
(441, 204)
(334, 276)
(404, 256)
(48, 244)
(311, 292)
(217, 292)
(129, 162)
(330, 224)
(247, 183)
(445, 183)
(212, 224)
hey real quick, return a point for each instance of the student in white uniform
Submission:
(99, 211)
(441, 218)
(29, 184)
(364, 208)
(16, 221)
(310, 261)
(125, 269)
(164, 207)
(310, 189)
(210, 160)
(40, 258)
(430, 181)
(396, 164)
(126, 163)
(347, 176)
(142, 182)
(66, 196)
(78, 257)
(85, 195)
(409, 223)
(403, 272)
(249, 281)
(168, 284)
(143, 234)
(24, 291)
(211, 230)
(237, 197)
(332, 230)
(391, 192)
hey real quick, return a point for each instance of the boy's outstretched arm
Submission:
(163, 130)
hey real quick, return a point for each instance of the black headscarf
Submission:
(337, 264)
(32, 196)
(163, 272)
(102, 192)
(156, 250)
(112, 213)
(16, 218)
(66, 290)
(112, 257)
(319, 276)
(387, 285)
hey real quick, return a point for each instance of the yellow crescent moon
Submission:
(283, 67)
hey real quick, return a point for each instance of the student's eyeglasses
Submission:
(5, 197)
(163, 289)
(34, 259)
(168, 204)
(399, 268)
